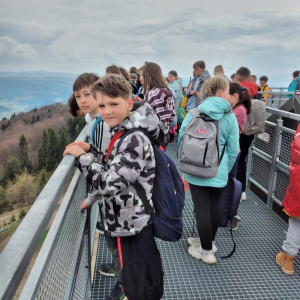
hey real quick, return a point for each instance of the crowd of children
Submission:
(113, 166)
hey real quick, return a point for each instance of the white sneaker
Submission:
(243, 197)
(204, 255)
(196, 242)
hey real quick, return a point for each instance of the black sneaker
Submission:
(116, 293)
(234, 224)
(99, 228)
(108, 269)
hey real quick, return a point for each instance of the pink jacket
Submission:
(241, 116)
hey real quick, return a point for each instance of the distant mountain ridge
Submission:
(23, 91)
(36, 74)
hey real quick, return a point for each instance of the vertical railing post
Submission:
(89, 283)
(249, 165)
(276, 153)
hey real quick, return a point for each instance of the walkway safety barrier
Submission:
(269, 158)
(62, 269)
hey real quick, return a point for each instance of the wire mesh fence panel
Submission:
(58, 277)
(285, 150)
(266, 146)
(260, 171)
(282, 182)
(82, 276)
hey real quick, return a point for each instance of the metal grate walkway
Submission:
(251, 273)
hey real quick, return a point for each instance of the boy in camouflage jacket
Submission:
(123, 211)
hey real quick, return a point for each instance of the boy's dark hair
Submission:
(73, 106)
(133, 70)
(112, 86)
(85, 79)
(242, 74)
(153, 77)
(232, 76)
(133, 76)
(113, 70)
(264, 78)
(124, 73)
(244, 95)
(200, 64)
(254, 77)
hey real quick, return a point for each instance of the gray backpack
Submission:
(255, 123)
(199, 148)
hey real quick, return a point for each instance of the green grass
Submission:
(11, 228)
(42, 239)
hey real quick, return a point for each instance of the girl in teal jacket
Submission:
(206, 193)
(175, 83)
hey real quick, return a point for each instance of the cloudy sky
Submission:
(78, 36)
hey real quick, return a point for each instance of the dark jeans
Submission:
(206, 205)
(234, 168)
(245, 143)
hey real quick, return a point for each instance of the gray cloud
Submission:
(30, 33)
(71, 36)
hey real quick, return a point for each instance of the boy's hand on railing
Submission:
(84, 205)
(73, 150)
(84, 146)
(193, 92)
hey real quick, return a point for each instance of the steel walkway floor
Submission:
(251, 273)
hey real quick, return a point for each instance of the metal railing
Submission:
(62, 269)
(269, 158)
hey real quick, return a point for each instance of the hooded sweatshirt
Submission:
(251, 86)
(215, 107)
(176, 86)
(122, 209)
(161, 100)
(294, 85)
(197, 84)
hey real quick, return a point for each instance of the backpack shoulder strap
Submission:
(138, 187)
(98, 120)
(194, 112)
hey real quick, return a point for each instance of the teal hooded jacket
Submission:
(215, 107)
(294, 85)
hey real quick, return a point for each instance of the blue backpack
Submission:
(168, 194)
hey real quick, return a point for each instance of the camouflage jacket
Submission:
(122, 210)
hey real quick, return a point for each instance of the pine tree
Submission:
(23, 154)
(42, 151)
(80, 125)
(33, 119)
(42, 179)
(38, 118)
(52, 150)
(71, 128)
(12, 169)
(63, 142)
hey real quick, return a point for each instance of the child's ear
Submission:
(130, 104)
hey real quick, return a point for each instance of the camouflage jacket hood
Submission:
(122, 210)
(144, 118)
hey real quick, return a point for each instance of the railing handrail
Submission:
(278, 93)
(283, 113)
(17, 254)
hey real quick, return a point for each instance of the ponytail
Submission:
(244, 95)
